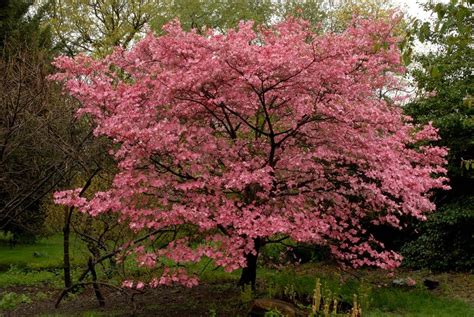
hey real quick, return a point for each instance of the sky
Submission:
(412, 7)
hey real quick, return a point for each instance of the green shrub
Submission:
(20, 276)
(279, 255)
(11, 300)
(446, 239)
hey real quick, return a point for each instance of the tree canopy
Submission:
(445, 81)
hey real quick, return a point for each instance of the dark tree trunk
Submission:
(249, 273)
(66, 256)
(97, 292)
(67, 232)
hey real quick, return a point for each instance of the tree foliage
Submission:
(445, 242)
(41, 142)
(219, 15)
(343, 14)
(12, 18)
(248, 137)
(336, 16)
(445, 81)
(23, 99)
(97, 26)
(314, 11)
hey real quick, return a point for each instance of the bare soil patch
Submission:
(221, 299)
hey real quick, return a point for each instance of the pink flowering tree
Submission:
(253, 136)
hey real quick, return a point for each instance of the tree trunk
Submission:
(97, 292)
(66, 256)
(249, 273)
(67, 232)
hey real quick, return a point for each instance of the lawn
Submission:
(36, 264)
(33, 279)
(45, 254)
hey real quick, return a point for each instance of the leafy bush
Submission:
(11, 300)
(18, 276)
(446, 239)
(279, 255)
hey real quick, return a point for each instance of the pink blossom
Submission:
(410, 281)
(127, 284)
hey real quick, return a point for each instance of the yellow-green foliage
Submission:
(97, 26)
(342, 16)
(330, 302)
(216, 14)
(246, 294)
(316, 298)
(11, 300)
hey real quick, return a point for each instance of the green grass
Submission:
(417, 302)
(17, 277)
(36, 264)
(45, 254)
(40, 264)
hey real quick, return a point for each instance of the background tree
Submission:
(343, 14)
(215, 14)
(42, 144)
(445, 81)
(314, 11)
(11, 17)
(96, 26)
(336, 16)
(248, 138)
(27, 171)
